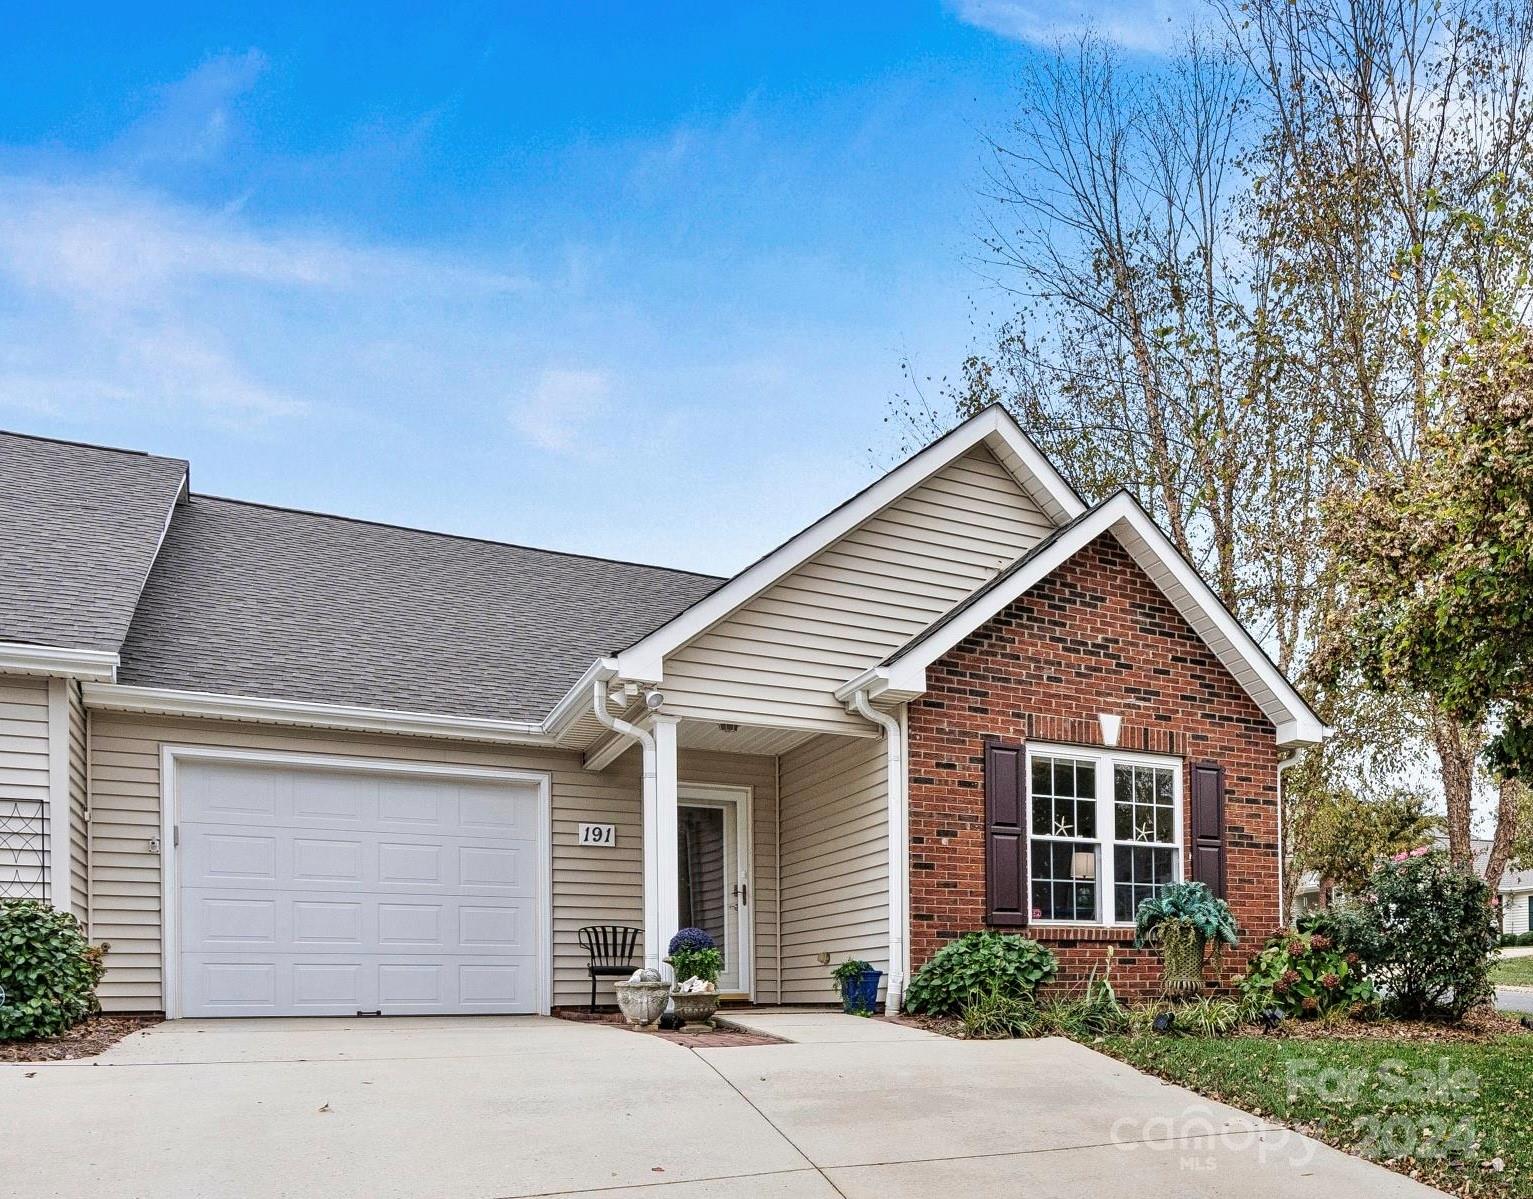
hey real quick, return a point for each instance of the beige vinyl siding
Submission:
(835, 862)
(78, 892)
(590, 885)
(778, 658)
(24, 769)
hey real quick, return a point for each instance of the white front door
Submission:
(304, 890)
(713, 873)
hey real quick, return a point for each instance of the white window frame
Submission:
(1104, 759)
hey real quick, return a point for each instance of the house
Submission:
(289, 763)
(1517, 902)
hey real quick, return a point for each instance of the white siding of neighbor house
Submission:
(1514, 909)
(777, 658)
(24, 768)
(590, 885)
(835, 862)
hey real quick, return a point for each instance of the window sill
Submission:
(1079, 932)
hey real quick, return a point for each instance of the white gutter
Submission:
(58, 661)
(171, 702)
(895, 747)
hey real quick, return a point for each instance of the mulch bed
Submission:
(1482, 1024)
(723, 1037)
(86, 1039)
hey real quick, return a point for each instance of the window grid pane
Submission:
(1144, 829)
(1058, 891)
(1064, 798)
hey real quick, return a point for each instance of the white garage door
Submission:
(310, 891)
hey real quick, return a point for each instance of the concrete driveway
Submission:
(484, 1108)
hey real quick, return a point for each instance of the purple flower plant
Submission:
(690, 940)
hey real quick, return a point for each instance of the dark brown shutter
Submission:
(1006, 834)
(1208, 826)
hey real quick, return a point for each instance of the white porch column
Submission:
(660, 879)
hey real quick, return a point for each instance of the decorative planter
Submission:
(695, 1009)
(1181, 948)
(859, 995)
(642, 1002)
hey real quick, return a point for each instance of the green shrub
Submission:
(1350, 927)
(1436, 932)
(1305, 975)
(47, 968)
(976, 966)
(997, 1017)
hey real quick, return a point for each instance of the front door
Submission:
(713, 872)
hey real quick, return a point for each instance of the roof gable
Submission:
(83, 526)
(992, 430)
(902, 675)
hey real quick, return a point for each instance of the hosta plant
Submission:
(978, 965)
(1305, 975)
(48, 971)
(1184, 918)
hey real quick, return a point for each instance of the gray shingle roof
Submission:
(79, 526)
(279, 604)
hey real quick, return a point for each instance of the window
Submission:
(1104, 834)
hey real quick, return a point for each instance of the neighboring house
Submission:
(1517, 901)
(288, 763)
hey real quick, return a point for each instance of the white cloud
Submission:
(115, 296)
(561, 409)
(1150, 26)
(192, 119)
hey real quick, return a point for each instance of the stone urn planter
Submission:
(643, 997)
(695, 1009)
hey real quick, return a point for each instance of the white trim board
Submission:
(171, 755)
(993, 426)
(58, 661)
(902, 676)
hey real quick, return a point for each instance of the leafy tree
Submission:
(1347, 838)
(1437, 561)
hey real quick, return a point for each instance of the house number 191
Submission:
(604, 835)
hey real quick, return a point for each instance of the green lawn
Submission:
(1514, 972)
(1436, 1109)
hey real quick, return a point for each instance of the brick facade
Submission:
(1095, 636)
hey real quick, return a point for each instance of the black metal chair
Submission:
(611, 947)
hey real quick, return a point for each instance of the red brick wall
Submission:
(1095, 636)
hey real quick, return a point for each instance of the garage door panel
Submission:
(322, 893)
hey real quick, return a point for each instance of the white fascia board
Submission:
(58, 662)
(644, 661)
(170, 702)
(1292, 718)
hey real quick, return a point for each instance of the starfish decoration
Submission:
(1144, 832)
(1061, 827)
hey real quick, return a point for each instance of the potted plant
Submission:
(1184, 918)
(697, 962)
(857, 983)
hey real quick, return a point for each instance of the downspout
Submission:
(894, 745)
(651, 803)
(1291, 758)
(90, 832)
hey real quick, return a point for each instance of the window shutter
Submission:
(1208, 826)
(1006, 834)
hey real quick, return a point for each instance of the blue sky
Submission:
(628, 279)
